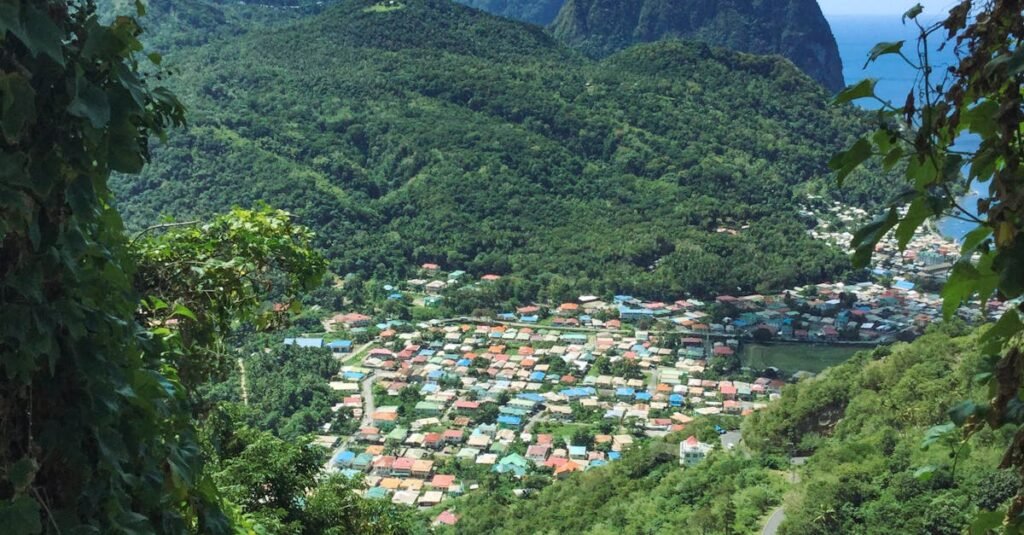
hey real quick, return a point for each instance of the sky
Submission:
(881, 7)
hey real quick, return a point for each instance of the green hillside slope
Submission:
(860, 423)
(427, 131)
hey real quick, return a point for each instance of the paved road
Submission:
(731, 439)
(369, 407)
(774, 521)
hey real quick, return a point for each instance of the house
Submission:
(692, 451)
(430, 498)
(577, 452)
(436, 287)
(350, 321)
(305, 343)
(509, 422)
(339, 347)
(628, 313)
(446, 518)
(430, 267)
(512, 464)
(402, 467)
(428, 408)
(538, 453)
(568, 467)
(467, 407)
(383, 465)
(422, 468)
(442, 481)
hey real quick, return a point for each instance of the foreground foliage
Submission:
(979, 98)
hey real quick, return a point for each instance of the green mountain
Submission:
(427, 131)
(795, 29)
(540, 12)
(860, 426)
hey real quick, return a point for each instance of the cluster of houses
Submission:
(533, 377)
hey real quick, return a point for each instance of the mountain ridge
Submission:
(434, 132)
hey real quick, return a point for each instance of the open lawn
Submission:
(792, 358)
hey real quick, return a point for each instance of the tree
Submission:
(97, 430)
(980, 96)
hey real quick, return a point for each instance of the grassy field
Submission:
(792, 358)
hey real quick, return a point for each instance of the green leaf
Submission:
(964, 411)
(140, 8)
(862, 89)
(986, 522)
(21, 473)
(975, 238)
(882, 49)
(1010, 263)
(17, 105)
(925, 473)
(962, 283)
(90, 103)
(937, 433)
(20, 516)
(892, 158)
(995, 338)
(41, 35)
(847, 161)
(183, 311)
(913, 12)
(868, 236)
(918, 212)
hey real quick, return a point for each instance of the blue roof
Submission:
(537, 376)
(623, 298)
(340, 344)
(577, 450)
(354, 376)
(623, 310)
(675, 397)
(509, 420)
(344, 457)
(304, 342)
(436, 374)
(427, 353)
(530, 319)
(464, 362)
(643, 396)
(350, 473)
(579, 392)
(614, 455)
(597, 462)
(904, 285)
(377, 493)
(624, 391)
(429, 388)
(531, 396)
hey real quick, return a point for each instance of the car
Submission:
(720, 430)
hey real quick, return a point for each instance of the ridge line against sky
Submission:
(882, 7)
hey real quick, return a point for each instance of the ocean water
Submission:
(856, 36)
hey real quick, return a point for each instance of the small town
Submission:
(568, 387)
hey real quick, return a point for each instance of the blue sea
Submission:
(856, 35)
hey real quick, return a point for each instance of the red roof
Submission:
(692, 441)
(442, 481)
(447, 518)
(723, 351)
(402, 463)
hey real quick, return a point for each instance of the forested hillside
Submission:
(427, 131)
(861, 425)
(795, 29)
(540, 12)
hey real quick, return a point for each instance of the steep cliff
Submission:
(796, 29)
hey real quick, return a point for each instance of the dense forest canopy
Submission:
(427, 131)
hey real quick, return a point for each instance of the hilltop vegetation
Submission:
(431, 132)
(795, 29)
(861, 425)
